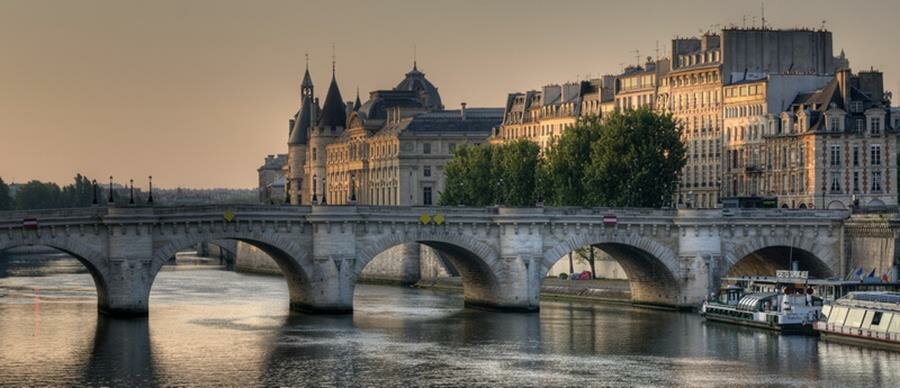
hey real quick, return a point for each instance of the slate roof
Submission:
(334, 110)
(415, 81)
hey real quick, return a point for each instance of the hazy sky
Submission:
(196, 93)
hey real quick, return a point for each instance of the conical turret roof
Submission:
(334, 111)
(300, 131)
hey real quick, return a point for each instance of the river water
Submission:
(218, 328)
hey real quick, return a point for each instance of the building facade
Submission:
(272, 179)
(390, 150)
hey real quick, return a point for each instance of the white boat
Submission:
(790, 309)
(864, 318)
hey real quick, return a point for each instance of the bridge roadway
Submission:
(672, 257)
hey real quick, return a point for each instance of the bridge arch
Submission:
(762, 256)
(475, 261)
(291, 258)
(651, 267)
(90, 257)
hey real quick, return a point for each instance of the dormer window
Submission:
(834, 124)
(856, 106)
(874, 125)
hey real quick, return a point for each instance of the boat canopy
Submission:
(881, 297)
(754, 302)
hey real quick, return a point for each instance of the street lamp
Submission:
(110, 200)
(131, 188)
(315, 188)
(324, 192)
(94, 188)
(353, 188)
(150, 197)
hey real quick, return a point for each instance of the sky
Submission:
(198, 92)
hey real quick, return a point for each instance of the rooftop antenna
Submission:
(823, 25)
(744, 21)
(762, 7)
(657, 50)
(637, 57)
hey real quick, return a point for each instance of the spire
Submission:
(334, 111)
(306, 86)
(333, 61)
(357, 104)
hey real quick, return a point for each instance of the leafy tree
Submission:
(636, 160)
(6, 201)
(562, 171)
(469, 177)
(38, 195)
(514, 172)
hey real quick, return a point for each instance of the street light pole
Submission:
(131, 198)
(94, 188)
(150, 197)
(111, 199)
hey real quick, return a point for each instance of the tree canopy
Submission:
(6, 201)
(631, 158)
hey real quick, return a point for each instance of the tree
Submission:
(562, 172)
(514, 170)
(38, 195)
(636, 160)
(469, 181)
(6, 201)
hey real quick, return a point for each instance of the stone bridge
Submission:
(672, 257)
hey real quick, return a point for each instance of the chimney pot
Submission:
(462, 111)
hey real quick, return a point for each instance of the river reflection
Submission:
(225, 329)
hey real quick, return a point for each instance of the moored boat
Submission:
(789, 310)
(863, 318)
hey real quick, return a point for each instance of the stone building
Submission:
(637, 86)
(272, 179)
(390, 150)
(751, 113)
(540, 116)
(835, 147)
(691, 91)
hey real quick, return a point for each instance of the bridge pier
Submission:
(125, 291)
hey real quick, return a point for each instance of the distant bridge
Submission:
(672, 257)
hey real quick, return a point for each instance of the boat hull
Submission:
(786, 329)
(850, 339)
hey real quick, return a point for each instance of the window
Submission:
(876, 155)
(860, 125)
(835, 124)
(856, 155)
(426, 196)
(835, 182)
(876, 181)
(835, 156)
(315, 154)
(426, 171)
(856, 181)
(426, 148)
(876, 318)
(856, 106)
(875, 125)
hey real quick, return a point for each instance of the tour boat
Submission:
(865, 318)
(790, 307)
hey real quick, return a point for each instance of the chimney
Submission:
(843, 81)
(462, 112)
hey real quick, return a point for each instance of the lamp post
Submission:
(315, 188)
(96, 200)
(353, 188)
(110, 200)
(324, 192)
(150, 196)
(287, 192)
(131, 189)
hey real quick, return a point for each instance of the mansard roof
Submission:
(381, 100)
(334, 110)
(415, 81)
(477, 120)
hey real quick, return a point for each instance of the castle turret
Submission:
(297, 141)
(332, 119)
